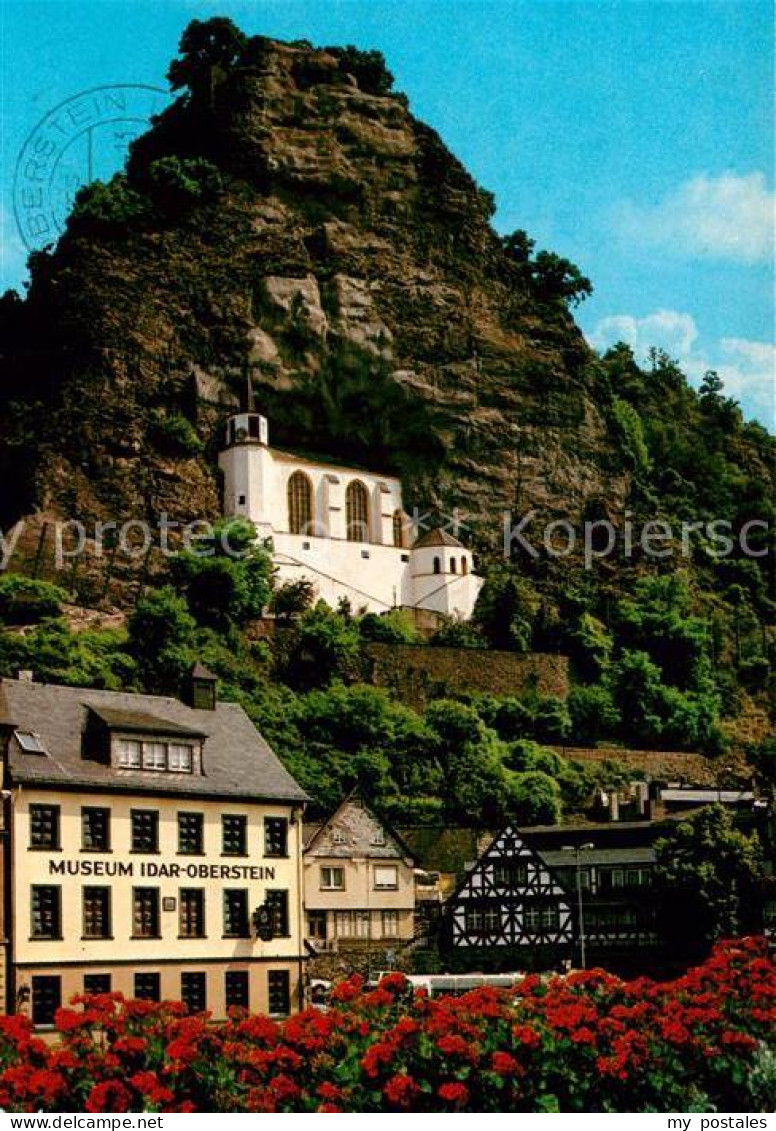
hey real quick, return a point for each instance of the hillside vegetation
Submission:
(288, 217)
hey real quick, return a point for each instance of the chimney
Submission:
(24, 675)
(642, 797)
(656, 809)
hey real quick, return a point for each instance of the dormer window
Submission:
(130, 754)
(180, 758)
(202, 689)
(154, 756)
(30, 742)
(140, 741)
(171, 757)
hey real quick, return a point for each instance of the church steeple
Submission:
(247, 426)
(248, 398)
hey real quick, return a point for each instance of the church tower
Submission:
(247, 464)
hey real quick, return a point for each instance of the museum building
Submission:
(149, 846)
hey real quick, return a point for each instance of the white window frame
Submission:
(390, 923)
(30, 742)
(154, 755)
(133, 746)
(328, 884)
(182, 753)
(491, 920)
(381, 885)
(361, 923)
(343, 919)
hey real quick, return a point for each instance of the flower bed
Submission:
(584, 1042)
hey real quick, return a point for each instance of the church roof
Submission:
(303, 458)
(437, 538)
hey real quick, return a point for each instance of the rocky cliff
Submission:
(295, 221)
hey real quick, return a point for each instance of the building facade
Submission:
(510, 912)
(359, 884)
(341, 528)
(150, 847)
(519, 906)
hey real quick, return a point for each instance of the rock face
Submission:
(348, 261)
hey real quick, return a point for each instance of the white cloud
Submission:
(747, 367)
(723, 217)
(666, 329)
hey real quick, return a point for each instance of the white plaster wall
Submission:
(375, 574)
(338, 568)
(453, 594)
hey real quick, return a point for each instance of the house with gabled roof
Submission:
(150, 846)
(510, 911)
(359, 884)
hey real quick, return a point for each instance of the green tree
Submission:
(55, 654)
(174, 182)
(24, 600)
(551, 278)
(292, 599)
(653, 714)
(111, 205)
(205, 46)
(458, 634)
(551, 721)
(474, 783)
(657, 619)
(393, 627)
(593, 714)
(227, 578)
(534, 799)
(505, 609)
(709, 875)
(509, 717)
(629, 423)
(326, 647)
(162, 640)
(572, 780)
(367, 67)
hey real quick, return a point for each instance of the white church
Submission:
(343, 529)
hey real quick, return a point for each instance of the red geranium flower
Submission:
(505, 1064)
(400, 1090)
(453, 1093)
(110, 1095)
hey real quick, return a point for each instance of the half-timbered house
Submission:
(511, 911)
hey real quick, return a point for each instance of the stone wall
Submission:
(660, 765)
(417, 673)
(354, 958)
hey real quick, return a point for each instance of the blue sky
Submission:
(635, 137)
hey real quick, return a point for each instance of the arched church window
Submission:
(357, 512)
(300, 503)
(464, 566)
(398, 528)
(453, 565)
(437, 565)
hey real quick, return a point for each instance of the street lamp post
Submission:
(578, 849)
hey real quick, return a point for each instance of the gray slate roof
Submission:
(437, 538)
(237, 761)
(354, 830)
(613, 856)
